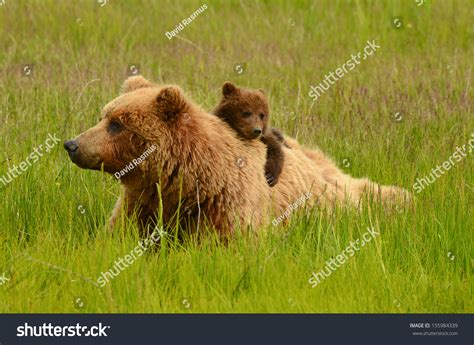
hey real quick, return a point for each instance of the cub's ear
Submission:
(135, 83)
(262, 91)
(229, 89)
(171, 102)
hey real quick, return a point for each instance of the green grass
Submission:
(53, 236)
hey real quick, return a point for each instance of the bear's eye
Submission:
(246, 113)
(262, 116)
(114, 127)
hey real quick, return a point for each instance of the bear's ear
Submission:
(262, 91)
(229, 89)
(171, 102)
(135, 83)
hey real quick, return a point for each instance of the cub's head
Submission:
(246, 111)
(138, 125)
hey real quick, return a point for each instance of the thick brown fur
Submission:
(247, 112)
(200, 165)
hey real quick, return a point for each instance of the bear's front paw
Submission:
(271, 179)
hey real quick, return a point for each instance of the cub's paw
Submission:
(271, 179)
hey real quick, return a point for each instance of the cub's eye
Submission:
(114, 127)
(246, 113)
(262, 116)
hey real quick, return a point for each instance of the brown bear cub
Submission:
(246, 111)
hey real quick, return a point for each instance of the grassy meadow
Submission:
(393, 118)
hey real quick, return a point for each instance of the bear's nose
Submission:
(257, 131)
(70, 146)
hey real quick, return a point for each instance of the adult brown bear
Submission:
(196, 162)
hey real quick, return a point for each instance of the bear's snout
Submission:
(257, 131)
(82, 157)
(70, 146)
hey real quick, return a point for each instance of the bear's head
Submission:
(246, 111)
(143, 116)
